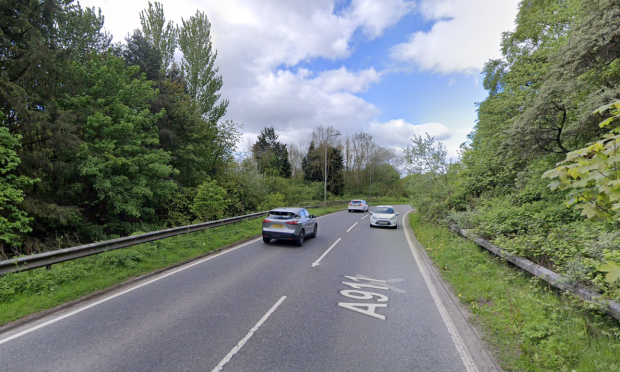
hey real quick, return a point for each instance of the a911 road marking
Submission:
(352, 227)
(366, 308)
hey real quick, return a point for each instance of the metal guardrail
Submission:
(612, 308)
(47, 259)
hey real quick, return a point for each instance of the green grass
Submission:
(25, 293)
(528, 326)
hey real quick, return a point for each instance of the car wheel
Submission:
(316, 229)
(266, 240)
(302, 237)
(371, 226)
(349, 211)
(395, 227)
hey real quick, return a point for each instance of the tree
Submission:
(124, 171)
(13, 220)
(270, 154)
(139, 52)
(423, 157)
(163, 36)
(210, 201)
(592, 173)
(314, 167)
(198, 66)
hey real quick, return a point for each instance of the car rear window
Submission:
(281, 215)
(384, 210)
(356, 201)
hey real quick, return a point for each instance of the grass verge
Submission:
(528, 325)
(25, 293)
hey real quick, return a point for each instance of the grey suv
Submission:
(289, 224)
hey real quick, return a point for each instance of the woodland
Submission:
(100, 140)
(539, 175)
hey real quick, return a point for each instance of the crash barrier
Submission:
(47, 259)
(611, 308)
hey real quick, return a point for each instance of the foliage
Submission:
(163, 36)
(198, 66)
(12, 218)
(272, 200)
(210, 201)
(119, 157)
(270, 154)
(592, 173)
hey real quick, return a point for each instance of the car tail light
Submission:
(292, 223)
(349, 203)
(264, 221)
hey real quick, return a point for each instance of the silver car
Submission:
(383, 215)
(295, 224)
(358, 205)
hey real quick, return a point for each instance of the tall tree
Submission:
(270, 154)
(198, 66)
(13, 220)
(163, 36)
(139, 52)
(123, 172)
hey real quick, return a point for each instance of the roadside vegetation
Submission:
(31, 291)
(527, 325)
(538, 175)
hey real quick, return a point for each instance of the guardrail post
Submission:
(48, 267)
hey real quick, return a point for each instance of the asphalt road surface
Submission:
(353, 299)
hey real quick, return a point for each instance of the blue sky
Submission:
(392, 68)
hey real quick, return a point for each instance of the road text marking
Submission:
(352, 227)
(369, 309)
(247, 337)
(316, 263)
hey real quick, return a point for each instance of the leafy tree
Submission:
(139, 52)
(593, 173)
(163, 36)
(272, 200)
(124, 170)
(198, 66)
(424, 157)
(314, 167)
(210, 201)
(270, 154)
(12, 219)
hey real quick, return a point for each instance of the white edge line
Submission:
(316, 263)
(352, 227)
(236, 349)
(119, 294)
(456, 338)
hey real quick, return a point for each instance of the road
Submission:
(363, 305)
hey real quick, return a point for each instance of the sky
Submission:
(391, 68)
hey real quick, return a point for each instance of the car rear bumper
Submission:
(280, 235)
(357, 208)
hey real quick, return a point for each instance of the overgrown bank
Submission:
(527, 325)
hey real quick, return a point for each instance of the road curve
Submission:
(353, 299)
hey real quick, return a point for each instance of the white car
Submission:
(384, 215)
(358, 205)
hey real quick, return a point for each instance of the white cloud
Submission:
(398, 133)
(259, 42)
(466, 34)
